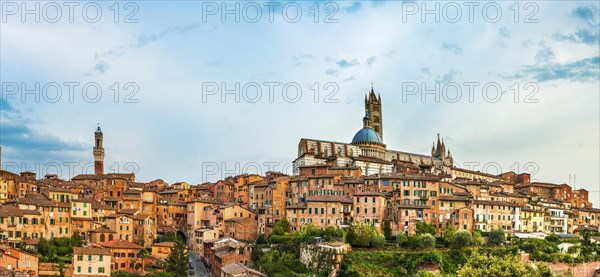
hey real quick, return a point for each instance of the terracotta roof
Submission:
(91, 250)
(329, 198)
(236, 269)
(102, 230)
(164, 244)
(495, 203)
(475, 172)
(99, 205)
(119, 243)
(37, 199)
(127, 211)
(60, 190)
(453, 198)
(103, 176)
(9, 211)
(370, 193)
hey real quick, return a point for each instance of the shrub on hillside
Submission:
(461, 239)
(378, 242)
(426, 241)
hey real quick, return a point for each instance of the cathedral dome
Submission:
(366, 135)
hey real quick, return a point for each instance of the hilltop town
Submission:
(122, 224)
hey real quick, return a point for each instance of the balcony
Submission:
(423, 197)
(346, 211)
(12, 224)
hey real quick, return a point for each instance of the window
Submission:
(100, 258)
(89, 269)
(333, 210)
(89, 258)
(101, 269)
(80, 257)
(374, 210)
(79, 269)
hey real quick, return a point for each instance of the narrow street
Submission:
(199, 269)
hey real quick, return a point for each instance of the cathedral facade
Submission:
(368, 152)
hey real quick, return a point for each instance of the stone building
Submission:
(124, 255)
(368, 151)
(91, 261)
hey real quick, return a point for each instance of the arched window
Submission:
(102, 237)
(110, 237)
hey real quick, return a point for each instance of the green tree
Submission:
(378, 242)
(497, 237)
(120, 273)
(483, 265)
(143, 253)
(277, 263)
(387, 230)
(477, 238)
(401, 238)
(177, 260)
(461, 239)
(77, 239)
(425, 228)
(426, 241)
(448, 234)
(168, 236)
(261, 239)
(360, 235)
(281, 227)
(553, 238)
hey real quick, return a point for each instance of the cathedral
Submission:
(368, 151)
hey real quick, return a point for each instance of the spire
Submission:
(433, 149)
(443, 150)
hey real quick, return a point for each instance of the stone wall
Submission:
(577, 270)
(324, 256)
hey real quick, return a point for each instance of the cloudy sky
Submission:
(196, 90)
